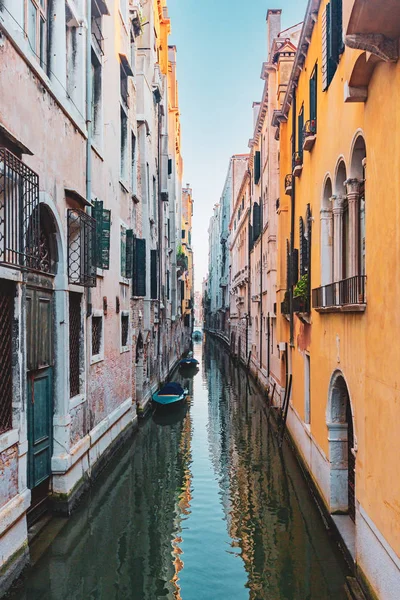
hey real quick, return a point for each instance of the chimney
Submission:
(273, 26)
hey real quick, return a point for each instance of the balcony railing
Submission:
(297, 163)
(309, 134)
(288, 184)
(19, 213)
(349, 292)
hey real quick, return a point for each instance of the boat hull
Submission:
(167, 400)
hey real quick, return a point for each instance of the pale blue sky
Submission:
(221, 47)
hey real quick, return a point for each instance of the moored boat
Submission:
(189, 362)
(170, 393)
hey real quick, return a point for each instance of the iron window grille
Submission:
(74, 343)
(6, 317)
(81, 248)
(19, 213)
(124, 330)
(97, 332)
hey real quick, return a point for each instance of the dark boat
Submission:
(189, 362)
(171, 393)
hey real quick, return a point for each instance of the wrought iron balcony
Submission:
(347, 295)
(19, 213)
(297, 164)
(309, 134)
(288, 184)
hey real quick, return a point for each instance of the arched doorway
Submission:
(40, 333)
(341, 447)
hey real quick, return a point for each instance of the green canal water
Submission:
(199, 505)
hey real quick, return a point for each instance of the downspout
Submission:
(159, 240)
(89, 130)
(292, 207)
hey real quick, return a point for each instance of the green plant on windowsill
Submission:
(301, 289)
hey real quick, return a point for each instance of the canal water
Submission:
(200, 505)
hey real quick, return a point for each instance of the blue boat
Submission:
(171, 393)
(189, 362)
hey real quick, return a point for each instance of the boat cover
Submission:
(171, 389)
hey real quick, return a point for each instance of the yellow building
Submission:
(187, 279)
(337, 293)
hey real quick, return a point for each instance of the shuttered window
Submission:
(153, 275)
(129, 254)
(256, 220)
(304, 251)
(139, 267)
(332, 40)
(313, 98)
(103, 226)
(257, 167)
(300, 126)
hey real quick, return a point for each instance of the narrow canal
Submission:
(198, 506)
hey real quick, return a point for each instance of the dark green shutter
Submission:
(129, 254)
(139, 275)
(168, 285)
(153, 274)
(170, 166)
(103, 227)
(313, 98)
(257, 167)
(256, 220)
(295, 266)
(336, 35)
(300, 125)
(123, 252)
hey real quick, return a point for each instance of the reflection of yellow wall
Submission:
(363, 346)
(187, 213)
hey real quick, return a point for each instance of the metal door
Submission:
(40, 384)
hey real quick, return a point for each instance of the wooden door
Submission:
(40, 384)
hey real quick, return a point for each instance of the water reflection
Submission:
(201, 504)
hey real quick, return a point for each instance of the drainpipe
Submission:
(159, 158)
(89, 129)
(292, 202)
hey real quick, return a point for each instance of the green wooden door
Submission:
(40, 384)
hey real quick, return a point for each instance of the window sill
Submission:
(9, 438)
(99, 272)
(76, 401)
(97, 358)
(354, 308)
(297, 170)
(124, 349)
(124, 281)
(309, 142)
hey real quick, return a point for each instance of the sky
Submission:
(221, 46)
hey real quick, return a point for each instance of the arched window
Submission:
(356, 196)
(341, 226)
(326, 235)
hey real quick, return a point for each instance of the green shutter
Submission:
(168, 285)
(103, 227)
(123, 252)
(129, 254)
(313, 98)
(182, 290)
(256, 220)
(153, 274)
(139, 275)
(257, 167)
(300, 126)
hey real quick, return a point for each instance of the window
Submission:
(96, 99)
(133, 164)
(139, 267)
(125, 72)
(37, 30)
(313, 99)
(97, 335)
(257, 167)
(124, 329)
(7, 292)
(74, 343)
(96, 29)
(127, 242)
(332, 40)
(102, 242)
(153, 275)
(81, 255)
(183, 234)
(124, 145)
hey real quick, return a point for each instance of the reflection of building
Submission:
(187, 277)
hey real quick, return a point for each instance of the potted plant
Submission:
(301, 295)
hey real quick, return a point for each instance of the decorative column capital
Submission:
(352, 188)
(337, 203)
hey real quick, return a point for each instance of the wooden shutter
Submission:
(313, 97)
(139, 275)
(129, 254)
(123, 252)
(103, 227)
(257, 167)
(324, 66)
(300, 125)
(301, 236)
(256, 220)
(295, 266)
(153, 274)
(336, 37)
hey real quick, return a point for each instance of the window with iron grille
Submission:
(124, 330)
(74, 343)
(81, 248)
(97, 333)
(19, 213)
(6, 316)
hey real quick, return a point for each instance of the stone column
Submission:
(337, 210)
(326, 217)
(353, 197)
